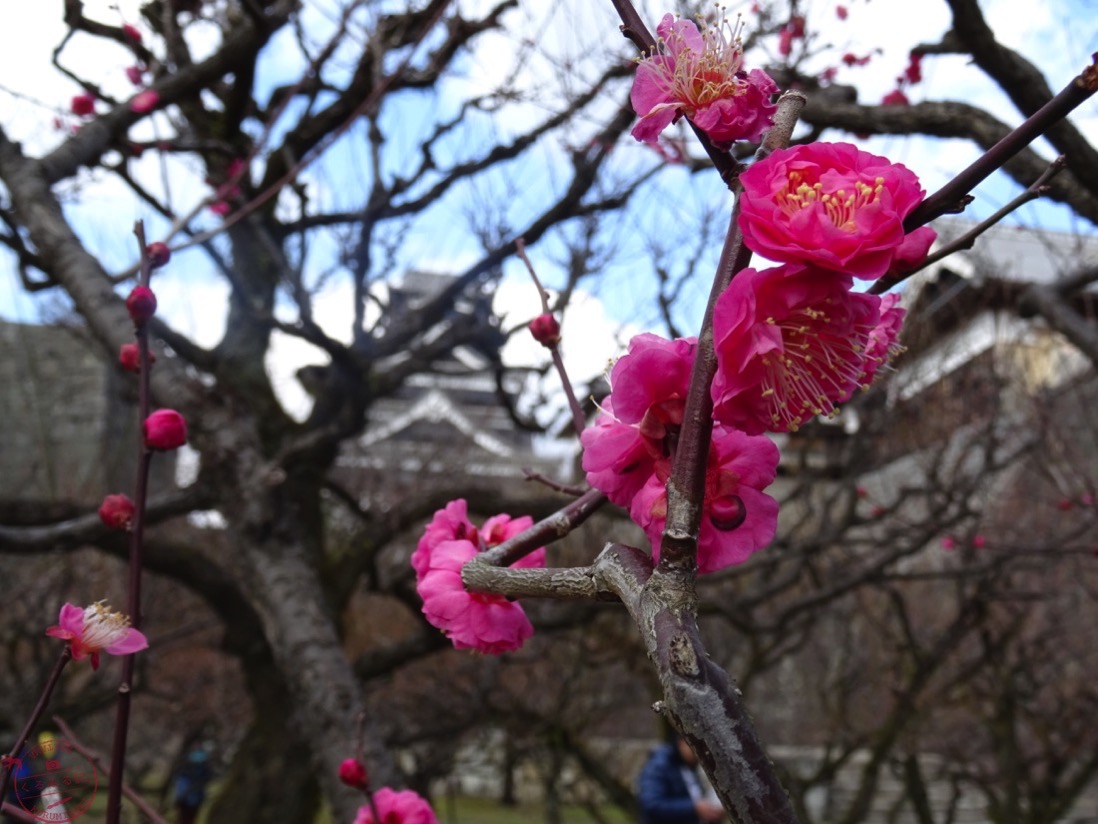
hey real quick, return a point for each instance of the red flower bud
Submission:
(141, 304)
(144, 101)
(545, 330)
(129, 357)
(165, 429)
(158, 253)
(116, 511)
(83, 105)
(353, 774)
(135, 74)
(131, 32)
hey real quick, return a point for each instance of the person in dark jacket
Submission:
(669, 789)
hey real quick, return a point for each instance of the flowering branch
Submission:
(137, 534)
(634, 30)
(686, 487)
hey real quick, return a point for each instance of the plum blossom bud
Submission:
(145, 101)
(165, 429)
(353, 774)
(135, 74)
(132, 33)
(545, 330)
(159, 254)
(83, 105)
(141, 304)
(129, 357)
(116, 511)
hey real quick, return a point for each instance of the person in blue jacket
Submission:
(669, 789)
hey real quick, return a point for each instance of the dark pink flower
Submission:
(135, 74)
(96, 629)
(353, 774)
(790, 345)
(165, 429)
(141, 304)
(404, 807)
(117, 511)
(841, 12)
(500, 528)
(131, 32)
(545, 330)
(640, 420)
(949, 543)
(129, 357)
(738, 518)
(471, 620)
(979, 542)
(83, 105)
(220, 207)
(145, 101)
(828, 204)
(883, 343)
(488, 623)
(451, 523)
(700, 74)
(896, 97)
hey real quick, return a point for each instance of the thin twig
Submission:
(547, 530)
(97, 759)
(575, 490)
(1039, 188)
(578, 420)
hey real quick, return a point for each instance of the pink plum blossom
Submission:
(790, 345)
(488, 623)
(738, 518)
(834, 206)
(471, 620)
(95, 629)
(404, 807)
(640, 420)
(700, 74)
(451, 523)
(883, 343)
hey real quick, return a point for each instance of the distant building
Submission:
(446, 422)
(69, 433)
